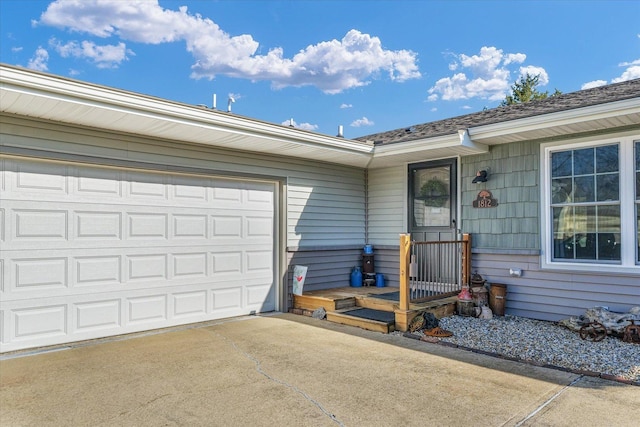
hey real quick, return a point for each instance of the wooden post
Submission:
(402, 314)
(405, 260)
(466, 259)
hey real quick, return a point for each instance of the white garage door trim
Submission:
(91, 251)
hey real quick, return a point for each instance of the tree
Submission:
(526, 90)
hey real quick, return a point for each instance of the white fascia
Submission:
(90, 95)
(560, 118)
(461, 140)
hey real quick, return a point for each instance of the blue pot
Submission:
(356, 277)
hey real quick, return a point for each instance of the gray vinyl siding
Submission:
(554, 295)
(513, 181)
(326, 268)
(386, 205)
(387, 263)
(326, 210)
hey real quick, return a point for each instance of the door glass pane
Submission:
(432, 197)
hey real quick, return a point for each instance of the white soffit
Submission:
(42, 96)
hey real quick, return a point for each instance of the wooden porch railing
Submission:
(430, 270)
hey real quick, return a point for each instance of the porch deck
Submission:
(344, 305)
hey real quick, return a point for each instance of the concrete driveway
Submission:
(288, 370)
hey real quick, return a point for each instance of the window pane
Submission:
(609, 246)
(561, 164)
(561, 190)
(607, 159)
(609, 219)
(583, 161)
(584, 189)
(608, 187)
(431, 197)
(609, 232)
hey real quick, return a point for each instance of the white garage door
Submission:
(90, 252)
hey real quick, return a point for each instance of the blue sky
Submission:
(370, 66)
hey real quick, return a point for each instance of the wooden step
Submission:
(328, 302)
(343, 317)
(440, 308)
(370, 301)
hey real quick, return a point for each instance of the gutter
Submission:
(560, 118)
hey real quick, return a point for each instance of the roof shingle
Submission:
(583, 98)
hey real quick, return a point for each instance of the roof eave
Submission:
(559, 123)
(453, 145)
(31, 94)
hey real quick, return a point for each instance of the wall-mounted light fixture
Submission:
(481, 176)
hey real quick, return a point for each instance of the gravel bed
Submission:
(545, 343)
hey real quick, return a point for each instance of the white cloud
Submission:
(307, 126)
(543, 77)
(304, 126)
(16, 49)
(628, 74)
(484, 75)
(592, 84)
(332, 66)
(434, 109)
(342, 106)
(466, 107)
(39, 60)
(362, 122)
(631, 72)
(106, 56)
(627, 64)
(517, 58)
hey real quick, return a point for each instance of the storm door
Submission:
(433, 200)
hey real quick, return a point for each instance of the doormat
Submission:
(370, 314)
(391, 296)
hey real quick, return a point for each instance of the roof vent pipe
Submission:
(213, 106)
(231, 101)
(340, 132)
(291, 122)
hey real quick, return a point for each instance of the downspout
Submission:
(366, 206)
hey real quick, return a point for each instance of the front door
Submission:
(433, 200)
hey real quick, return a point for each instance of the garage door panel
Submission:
(96, 316)
(39, 274)
(35, 323)
(98, 225)
(99, 183)
(90, 252)
(40, 224)
(226, 299)
(98, 270)
(192, 226)
(36, 177)
(259, 296)
(189, 304)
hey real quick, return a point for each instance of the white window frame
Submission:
(628, 263)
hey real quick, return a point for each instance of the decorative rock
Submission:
(319, 313)
(545, 343)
